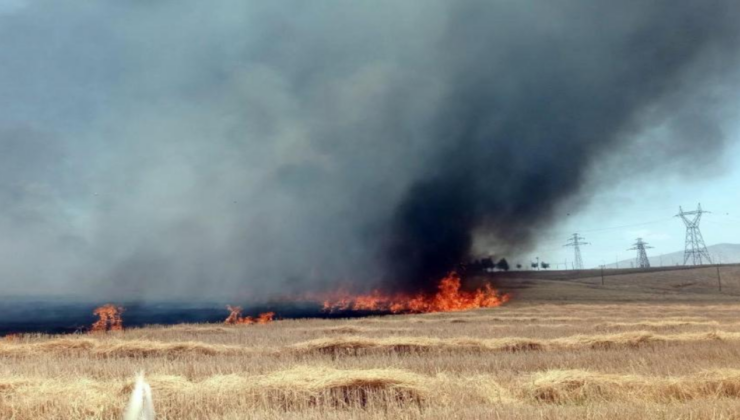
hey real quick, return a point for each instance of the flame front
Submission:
(448, 297)
(109, 318)
(235, 317)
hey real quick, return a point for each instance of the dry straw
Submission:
(579, 386)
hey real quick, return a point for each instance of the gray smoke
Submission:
(244, 148)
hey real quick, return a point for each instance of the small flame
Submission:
(265, 318)
(109, 318)
(235, 317)
(448, 297)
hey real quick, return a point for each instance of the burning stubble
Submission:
(109, 318)
(448, 297)
(236, 318)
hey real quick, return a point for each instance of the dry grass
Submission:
(356, 329)
(579, 386)
(358, 345)
(299, 388)
(118, 348)
(526, 360)
(659, 324)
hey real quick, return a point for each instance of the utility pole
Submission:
(642, 260)
(575, 242)
(695, 249)
(719, 279)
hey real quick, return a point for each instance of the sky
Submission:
(195, 149)
(644, 207)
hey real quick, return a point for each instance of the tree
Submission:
(502, 264)
(518, 266)
(487, 264)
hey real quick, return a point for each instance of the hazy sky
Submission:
(643, 206)
(205, 149)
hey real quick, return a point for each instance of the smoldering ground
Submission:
(197, 150)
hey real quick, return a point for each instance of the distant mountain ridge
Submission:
(720, 253)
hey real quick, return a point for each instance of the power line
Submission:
(727, 215)
(628, 226)
(723, 223)
(724, 220)
(556, 235)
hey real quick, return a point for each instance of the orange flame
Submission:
(265, 318)
(235, 317)
(109, 318)
(448, 297)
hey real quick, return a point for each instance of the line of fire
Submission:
(449, 296)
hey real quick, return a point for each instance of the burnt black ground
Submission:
(38, 315)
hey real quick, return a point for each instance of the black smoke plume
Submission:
(190, 149)
(535, 102)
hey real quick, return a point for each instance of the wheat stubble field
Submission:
(559, 350)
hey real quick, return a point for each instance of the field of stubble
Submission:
(525, 360)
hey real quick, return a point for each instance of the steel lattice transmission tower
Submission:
(576, 241)
(696, 250)
(642, 260)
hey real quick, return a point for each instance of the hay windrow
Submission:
(296, 388)
(357, 329)
(658, 324)
(344, 346)
(322, 387)
(307, 386)
(358, 345)
(343, 388)
(120, 348)
(579, 386)
(354, 345)
(638, 338)
(202, 329)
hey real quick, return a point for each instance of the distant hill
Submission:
(720, 253)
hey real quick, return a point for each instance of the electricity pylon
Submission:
(642, 260)
(695, 249)
(576, 241)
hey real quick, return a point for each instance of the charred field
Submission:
(55, 316)
(636, 347)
